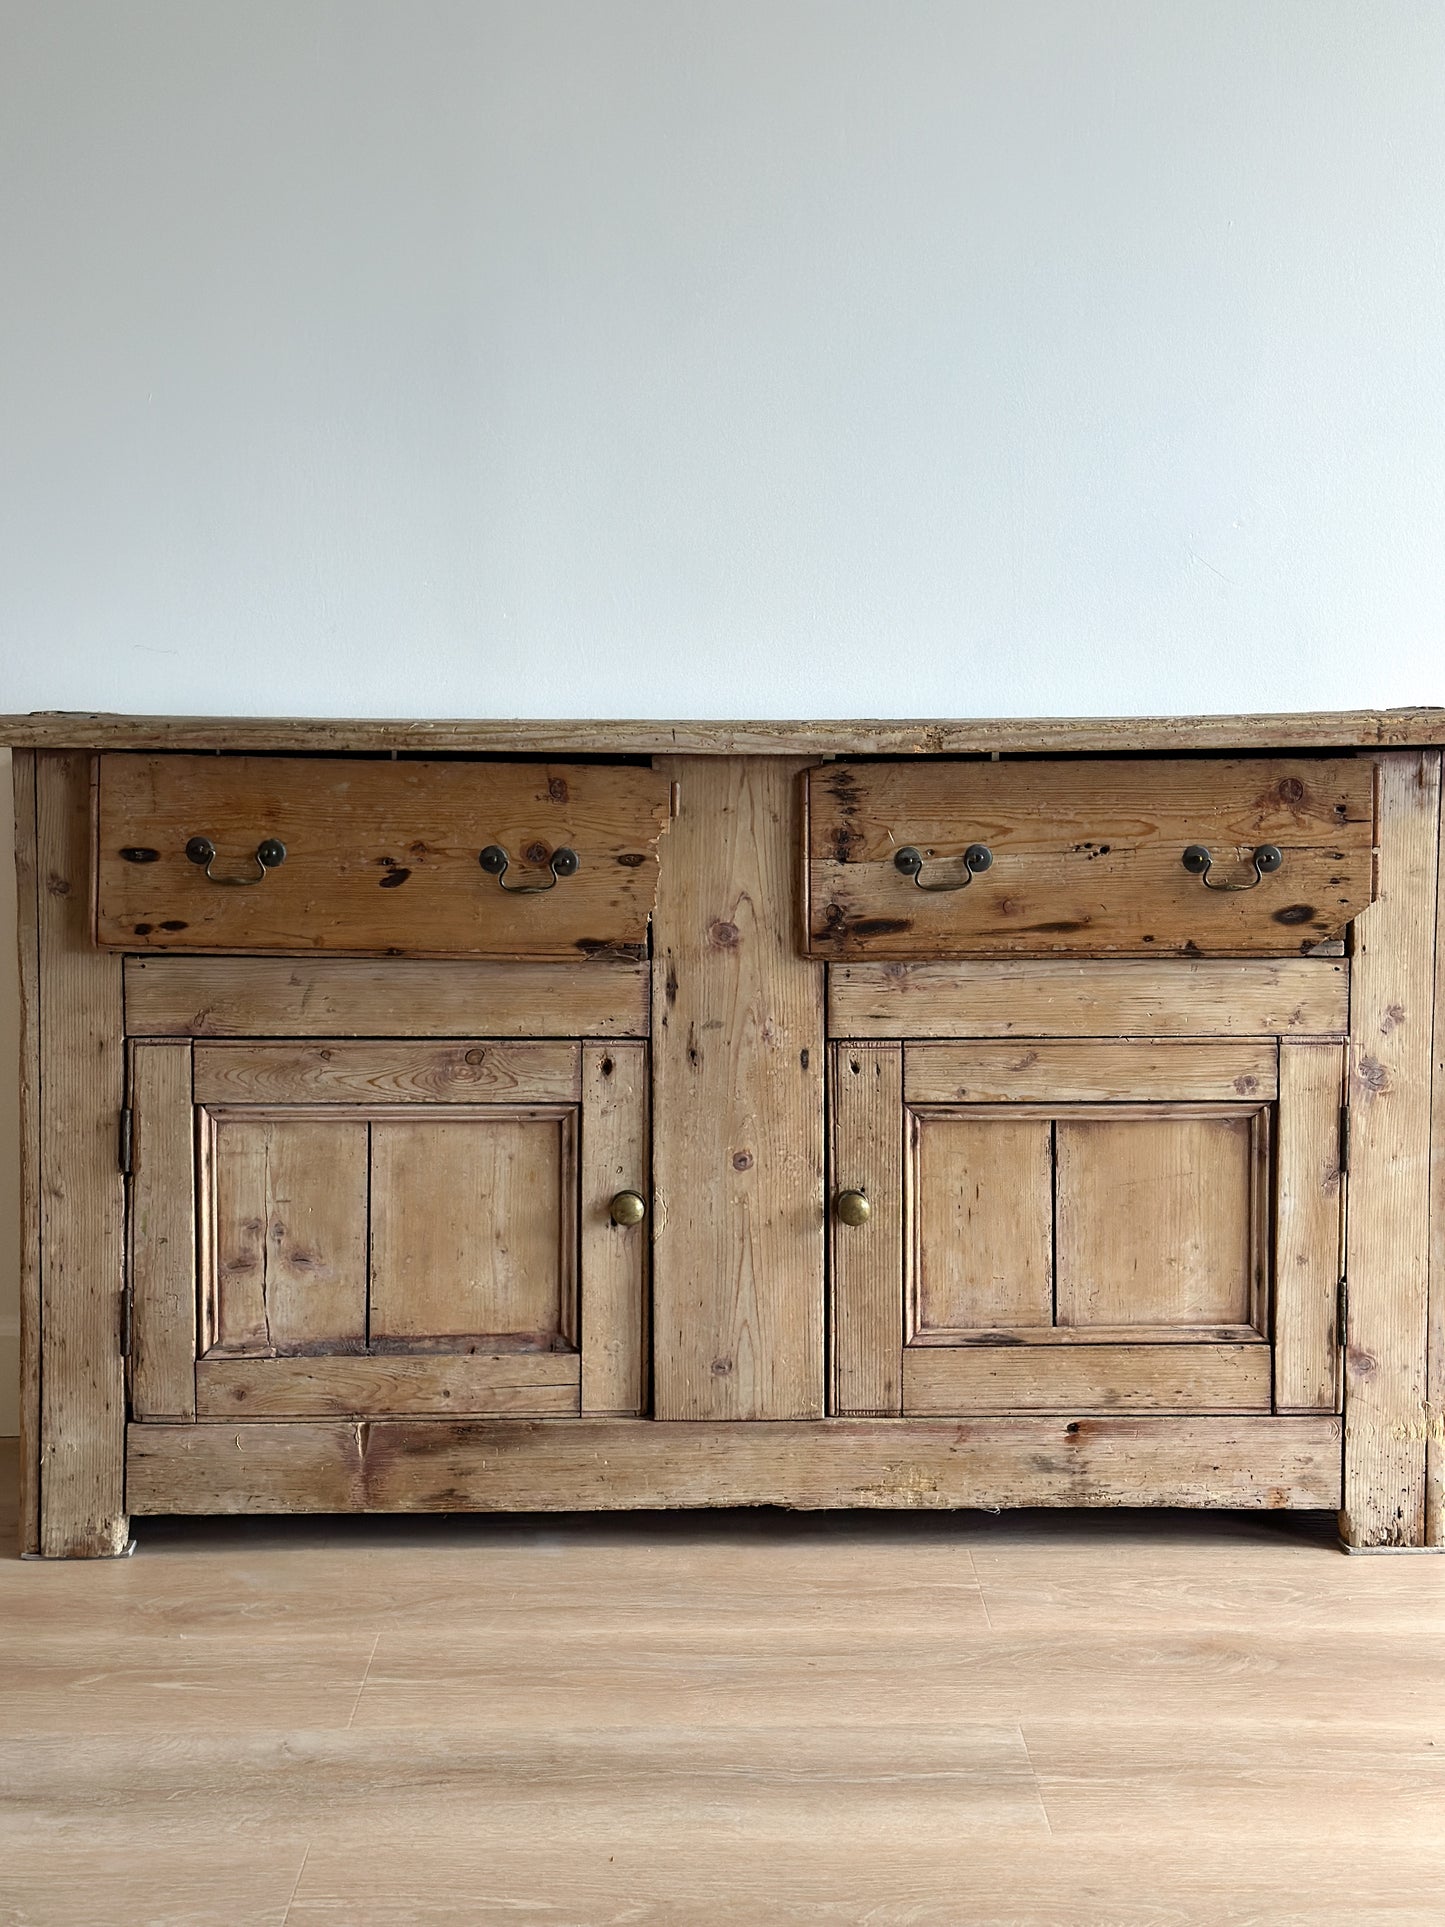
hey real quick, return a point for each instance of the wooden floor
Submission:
(884, 1718)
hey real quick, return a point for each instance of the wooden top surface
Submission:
(1320, 729)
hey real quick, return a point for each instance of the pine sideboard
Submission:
(516, 1116)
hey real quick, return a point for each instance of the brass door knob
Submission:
(853, 1208)
(628, 1207)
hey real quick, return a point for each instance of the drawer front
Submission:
(1087, 857)
(380, 857)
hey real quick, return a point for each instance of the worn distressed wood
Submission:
(1086, 856)
(286, 1237)
(981, 1253)
(973, 1381)
(379, 855)
(866, 1269)
(604, 1464)
(81, 1199)
(403, 997)
(1388, 1213)
(738, 1077)
(1100, 997)
(502, 1384)
(479, 1072)
(1161, 1218)
(615, 1268)
(162, 1233)
(479, 736)
(1070, 1071)
(474, 1229)
(1308, 1223)
(27, 931)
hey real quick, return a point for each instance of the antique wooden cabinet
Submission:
(499, 1115)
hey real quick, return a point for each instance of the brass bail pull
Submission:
(495, 861)
(270, 854)
(1266, 859)
(977, 858)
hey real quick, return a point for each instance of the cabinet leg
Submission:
(79, 1416)
(1388, 1239)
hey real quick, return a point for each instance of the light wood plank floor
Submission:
(696, 1720)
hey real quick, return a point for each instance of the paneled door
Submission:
(1086, 1225)
(360, 1228)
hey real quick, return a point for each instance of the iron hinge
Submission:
(1344, 1138)
(1342, 1315)
(126, 1141)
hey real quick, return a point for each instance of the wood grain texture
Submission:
(1080, 1071)
(866, 1270)
(973, 1381)
(982, 1221)
(1388, 1210)
(738, 1105)
(499, 1385)
(286, 1237)
(27, 931)
(81, 1199)
(162, 1233)
(615, 1257)
(349, 997)
(1032, 736)
(1106, 997)
(607, 1464)
(380, 856)
(1309, 1198)
(1086, 856)
(1161, 1219)
(474, 1230)
(404, 1072)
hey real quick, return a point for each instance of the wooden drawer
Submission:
(379, 856)
(1087, 856)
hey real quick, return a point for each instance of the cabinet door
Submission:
(1086, 1226)
(341, 1228)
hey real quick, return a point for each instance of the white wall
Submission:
(739, 357)
(721, 357)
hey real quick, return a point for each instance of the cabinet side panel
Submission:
(738, 1083)
(26, 917)
(1388, 1214)
(867, 1273)
(82, 1418)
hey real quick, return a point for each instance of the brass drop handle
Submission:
(495, 861)
(270, 854)
(852, 1207)
(1266, 859)
(628, 1207)
(976, 858)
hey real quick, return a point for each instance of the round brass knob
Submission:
(853, 1208)
(628, 1207)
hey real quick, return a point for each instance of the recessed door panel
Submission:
(287, 1203)
(1158, 1218)
(983, 1212)
(473, 1232)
